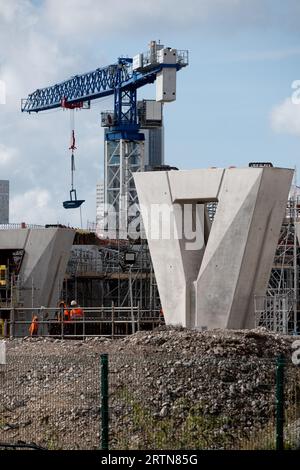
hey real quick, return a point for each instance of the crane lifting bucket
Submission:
(73, 203)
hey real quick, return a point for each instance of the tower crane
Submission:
(122, 80)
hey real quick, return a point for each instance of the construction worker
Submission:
(33, 329)
(161, 315)
(76, 313)
(64, 312)
(62, 315)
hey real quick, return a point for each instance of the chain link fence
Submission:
(174, 403)
(170, 403)
(291, 406)
(143, 401)
(50, 401)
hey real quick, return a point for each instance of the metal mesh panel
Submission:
(166, 402)
(52, 401)
(156, 401)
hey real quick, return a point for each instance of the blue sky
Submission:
(233, 101)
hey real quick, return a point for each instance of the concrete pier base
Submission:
(207, 274)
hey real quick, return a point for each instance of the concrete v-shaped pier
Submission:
(207, 274)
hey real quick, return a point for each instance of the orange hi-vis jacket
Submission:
(33, 329)
(66, 312)
(76, 313)
(66, 315)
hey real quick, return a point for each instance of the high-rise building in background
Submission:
(150, 114)
(4, 202)
(154, 147)
(123, 157)
(99, 202)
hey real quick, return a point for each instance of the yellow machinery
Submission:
(3, 270)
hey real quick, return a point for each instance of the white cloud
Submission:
(285, 117)
(2, 92)
(15, 9)
(264, 55)
(127, 17)
(34, 206)
(7, 156)
(40, 206)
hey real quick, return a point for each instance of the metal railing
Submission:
(151, 58)
(18, 226)
(96, 321)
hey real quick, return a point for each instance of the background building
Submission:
(99, 201)
(4, 202)
(150, 114)
(122, 158)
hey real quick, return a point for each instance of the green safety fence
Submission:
(149, 401)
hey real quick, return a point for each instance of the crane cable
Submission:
(72, 146)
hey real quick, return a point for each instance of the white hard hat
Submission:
(73, 302)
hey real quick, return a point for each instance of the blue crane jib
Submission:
(122, 80)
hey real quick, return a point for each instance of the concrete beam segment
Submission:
(202, 185)
(46, 254)
(13, 239)
(212, 285)
(176, 273)
(169, 259)
(220, 268)
(241, 246)
(263, 238)
(298, 231)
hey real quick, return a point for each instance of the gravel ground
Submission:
(170, 388)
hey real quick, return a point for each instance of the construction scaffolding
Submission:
(279, 309)
(116, 272)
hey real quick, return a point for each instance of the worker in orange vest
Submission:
(33, 329)
(62, 319)
(161, 315)
(76, 313)
(64, 312)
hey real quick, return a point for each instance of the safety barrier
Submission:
(96, 321)
(170, 402)
(147, 401)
